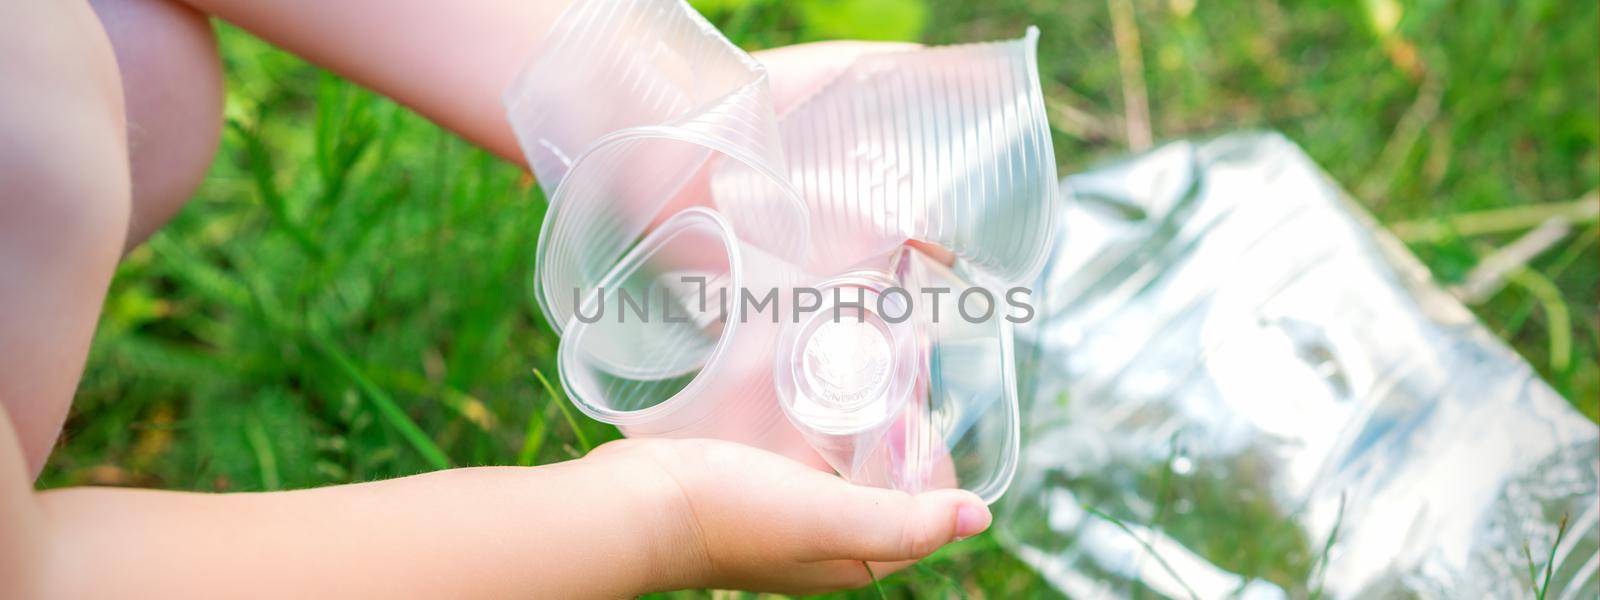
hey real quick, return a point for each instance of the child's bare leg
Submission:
(172, 88)
(69, 129)
(63, 206)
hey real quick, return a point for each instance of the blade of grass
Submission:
(1403, 138)
(1489, 276)
(1550, 563)
(1533, 570)
(1319, 571)
(1164, 492)
(876, 585)
(1541, 589)
(265, 458)
(261, 173)
(1513, 325)
(464, 405)
(200, 277)
(153, 357)
(1066, 117)
(1147, 548)
(948, 581)
(1130, 63)
(1558, 316)
(532, 439)
(345, 127)
(386, 406)
(566, 413)
(1500, 220)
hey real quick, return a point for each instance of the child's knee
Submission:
(63, 152)
(172, 87)
(63, 205)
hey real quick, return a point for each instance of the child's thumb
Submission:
(874, 524)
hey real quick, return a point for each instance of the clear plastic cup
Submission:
(631, 111)
(667, 345)
(947, 145)
(894, 394)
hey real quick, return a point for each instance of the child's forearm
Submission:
(450, 61)
(563, 530)
(628, 518)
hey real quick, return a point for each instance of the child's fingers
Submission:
(873, 524)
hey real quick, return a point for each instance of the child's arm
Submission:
(632, 517)
(452, 62)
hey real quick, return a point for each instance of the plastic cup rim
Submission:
(575, 330)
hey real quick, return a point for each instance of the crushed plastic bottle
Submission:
(1240, 386)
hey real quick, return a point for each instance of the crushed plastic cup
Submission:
(630, 112)
(638, 118)
(902, 388)
(946, 145)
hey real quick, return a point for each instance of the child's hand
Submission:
(731, 516)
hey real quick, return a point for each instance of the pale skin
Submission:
(109, 115)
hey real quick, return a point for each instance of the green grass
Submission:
(347, 297)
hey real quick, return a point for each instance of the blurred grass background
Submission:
(347, 297)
